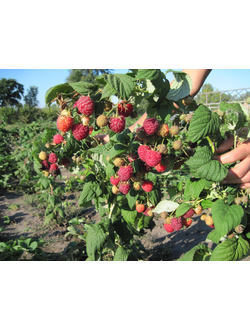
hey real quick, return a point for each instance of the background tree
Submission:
(31, 97)
(212, 96)
(10, 92)
(87, 75)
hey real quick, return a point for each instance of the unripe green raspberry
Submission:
(244, 199)
(237, 201)
(188, 118)
(43, 155)
(174, 130)
(177, 145)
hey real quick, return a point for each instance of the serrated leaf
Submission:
(214, 236)
(52, 200)
(150, 74)
(196, 253)
(230, 250)
(116, 150)
(121, 254)
(83, 87)
(88, 192)
(204, 123)
(166, 206)
(52, 92)
(180, 87)
(95, 240)
(132, 197)
(203, 166)
(107, 91)
(123, 84)
(226, 217)
(129, 215)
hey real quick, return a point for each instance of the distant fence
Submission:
(234, 95)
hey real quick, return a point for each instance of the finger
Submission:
(236, 154)
(239, 170)
(245, 185)
(226, 145)
(234, 179)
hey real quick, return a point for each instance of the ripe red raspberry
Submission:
(64, 123)
(147, 185)
(124, 188)
(117, 124)
(125, 109)
(80, 131)
(152, 158)
(142, 150)
(160, 167)
(45, 164)
(54, 170)
(85, 105)
(188, 214)
(176, 223)
(125, 172)
(151, 126)
(140, 208)
(58, 139)
(168, 227)
(187, 222)
(52, 158)
(114, 181)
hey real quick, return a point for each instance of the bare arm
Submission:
(198, 77)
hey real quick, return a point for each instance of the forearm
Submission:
(198, 77)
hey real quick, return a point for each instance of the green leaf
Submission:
(88, 192)
(180, 87)
(48, 218)
(193, 188)
(182, 209)
(166, 206)
(206, 204)
(123, 84)
(132, 197)
(226, 217)
(204, 123)
(202, 165)
(230, 250)
(129, 215)
(95, 240)
(107, 91)
(52, 200)
(151, 74)
(197, 253)
(45, 182)
(117, 150)
(121, 254)
(53, 92)
(84, 88)
(214, 236)
(33, 246)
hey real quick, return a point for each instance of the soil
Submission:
(28, 221)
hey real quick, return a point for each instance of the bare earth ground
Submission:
(28, 221)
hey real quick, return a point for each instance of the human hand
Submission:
(240, 173)
(104, 138)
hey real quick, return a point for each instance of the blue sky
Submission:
(221, 79)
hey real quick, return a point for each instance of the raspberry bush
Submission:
(166, 167)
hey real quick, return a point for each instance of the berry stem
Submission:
(211, 144)
(111, 210)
